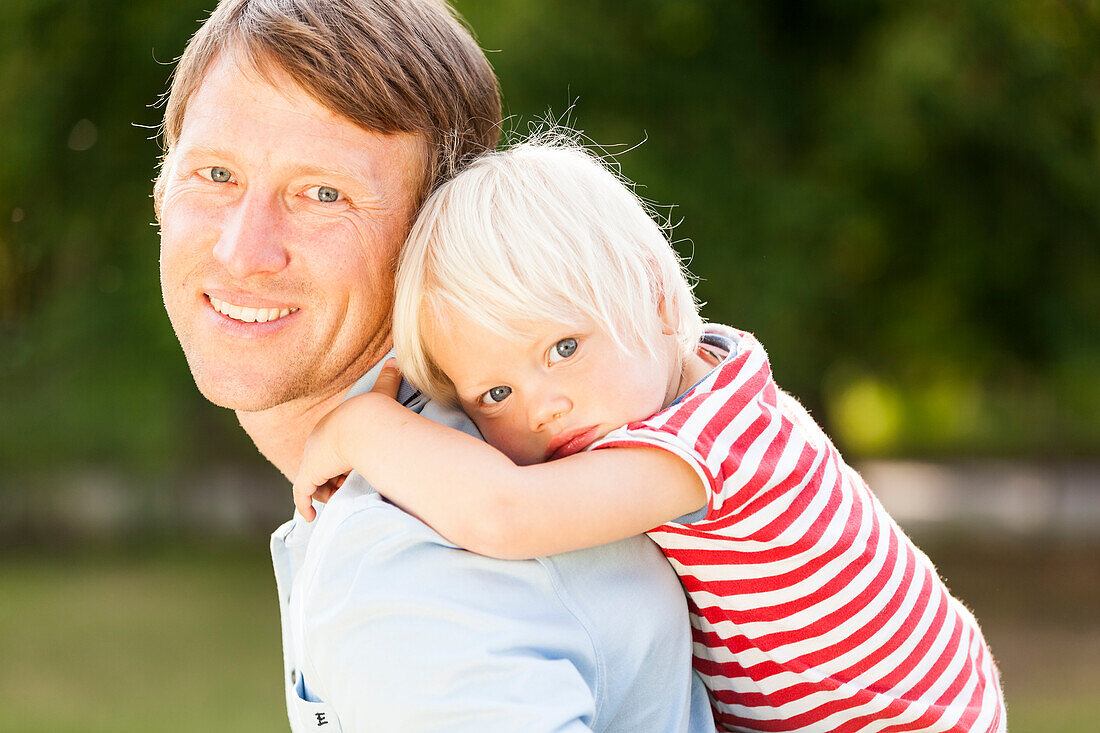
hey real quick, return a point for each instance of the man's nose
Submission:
(549, 407)
(251, 240)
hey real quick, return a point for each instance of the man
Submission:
(301, 137)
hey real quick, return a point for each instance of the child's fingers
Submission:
(389, 380)
(306, 493)
(325, 491)
(304, 504)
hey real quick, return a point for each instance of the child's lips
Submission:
(568, 442)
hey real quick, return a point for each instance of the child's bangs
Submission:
(518, 308)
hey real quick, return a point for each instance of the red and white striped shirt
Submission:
(811, 610)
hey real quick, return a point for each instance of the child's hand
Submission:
(324, 463)
(323, 469)
(389, 380)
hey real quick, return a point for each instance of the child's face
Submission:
(548, 396)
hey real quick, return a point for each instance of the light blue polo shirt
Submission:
(389, 627)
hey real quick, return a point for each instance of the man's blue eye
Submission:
(496, 394)
(220, 175)
(327, 194)
(563, 350)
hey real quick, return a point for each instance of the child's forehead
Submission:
(538, 330)
(514, 330)
(470, 349)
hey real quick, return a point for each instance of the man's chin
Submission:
(245, 394)
(237, 399)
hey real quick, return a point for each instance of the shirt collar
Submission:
(407, 394)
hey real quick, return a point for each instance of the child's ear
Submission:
(668, 313)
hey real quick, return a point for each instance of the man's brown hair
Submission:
(390, 66)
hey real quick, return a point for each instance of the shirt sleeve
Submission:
(408, 633)
(730, 429)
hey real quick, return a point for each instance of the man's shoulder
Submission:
(379, 588)
(361, 532)
(361, 527)
(376, 592)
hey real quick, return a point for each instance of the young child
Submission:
(536, 293)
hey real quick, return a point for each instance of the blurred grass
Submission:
(1037, 603)
(175, 638)
(140, 640)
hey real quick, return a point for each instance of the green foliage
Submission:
(89, 369)
(900, 199)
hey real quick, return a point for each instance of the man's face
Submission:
(280, 225)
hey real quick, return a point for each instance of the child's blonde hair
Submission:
(542, 231)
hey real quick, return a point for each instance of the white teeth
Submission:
(249, 315)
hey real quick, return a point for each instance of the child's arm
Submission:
(473, 495)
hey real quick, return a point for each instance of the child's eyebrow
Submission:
(468, 395)
(473, 393)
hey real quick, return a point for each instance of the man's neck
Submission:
(280, 432)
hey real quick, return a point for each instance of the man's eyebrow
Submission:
(204, 151)
(335, 170)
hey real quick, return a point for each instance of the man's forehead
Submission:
(238, 109)
(233, 88)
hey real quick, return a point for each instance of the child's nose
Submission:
(549, 410)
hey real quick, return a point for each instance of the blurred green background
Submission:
(901, 199)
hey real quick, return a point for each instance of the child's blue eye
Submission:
(563, 350)
(496, 394)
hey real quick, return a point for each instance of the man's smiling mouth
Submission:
(249, 315)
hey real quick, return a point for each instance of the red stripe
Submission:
(734, 403)
(899, 637)
(771, 531)
(765, 469)
(810, 718)
(921, 687)
(759, 560)
(830, 588)
(817, 539)
(951, 694)
(883, 684)
(723, 531)
(982, 688)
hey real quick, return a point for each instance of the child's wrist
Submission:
(356, 423)
(341, 428)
